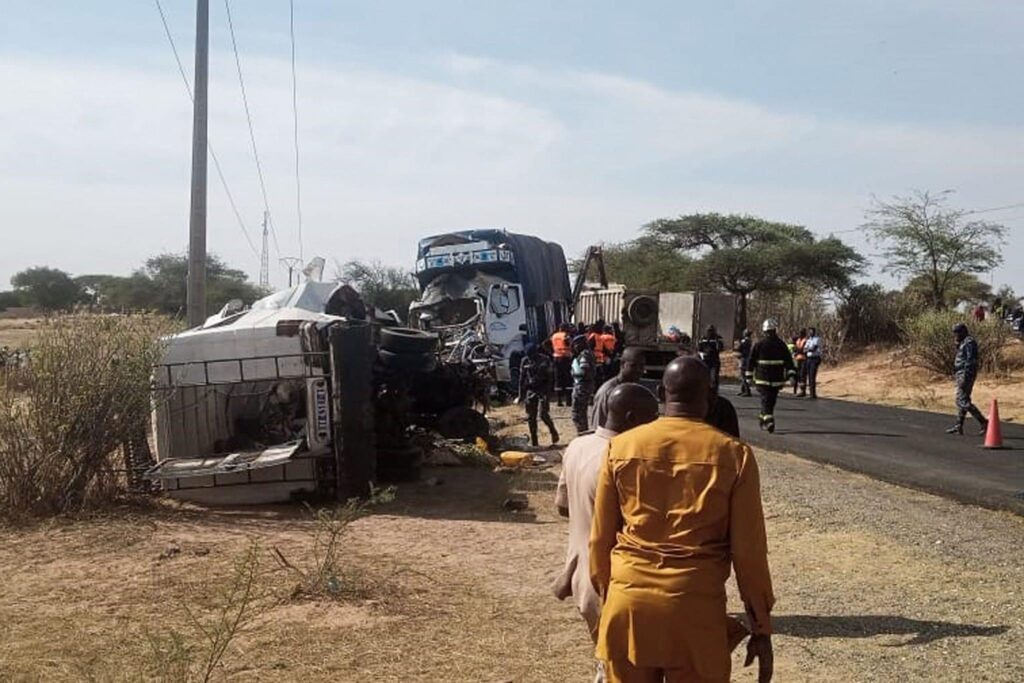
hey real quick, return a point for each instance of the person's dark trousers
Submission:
(515, 361)
(563, 380)
(716, 371)
(769, 397)
(812, 375)
(964, 405)
(582, 394)
(538, 404)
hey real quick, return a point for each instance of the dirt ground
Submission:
(874, 583)
(881, 377)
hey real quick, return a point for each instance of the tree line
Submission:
(937, 249)
(159, 285)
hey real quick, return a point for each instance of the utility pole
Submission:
(196, 290)
(265, 257)
(290, 262)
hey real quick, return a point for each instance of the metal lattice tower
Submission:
(265, 258)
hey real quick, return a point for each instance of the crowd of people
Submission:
(579, 365)
(1011, 313)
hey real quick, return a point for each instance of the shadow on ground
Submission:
(868, 625)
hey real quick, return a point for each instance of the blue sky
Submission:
(578, 121)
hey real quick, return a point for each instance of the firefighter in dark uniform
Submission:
(536, 382)
(743, 347)
(771, 368)
(965, 371)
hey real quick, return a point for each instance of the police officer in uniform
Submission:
(584, 382)
(771, 368)
(710, 349)
(536, 381)
(965, 371)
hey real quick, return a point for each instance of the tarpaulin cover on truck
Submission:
(540, 266)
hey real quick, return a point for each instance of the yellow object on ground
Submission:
(516, 459)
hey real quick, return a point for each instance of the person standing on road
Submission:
(584, 375)
(743, 347)
(965, 371)
(710, 349)
(677, 501)
(771, 365)
(631, 369)
(629, 405)
(561, 344)
(536, 381)
(800, 359)
(813, 349)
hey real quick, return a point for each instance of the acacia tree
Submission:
(645, 263)
(926, 240)
(746, 254)
(50, 289)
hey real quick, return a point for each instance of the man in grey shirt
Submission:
(630, 370)
(629, 405)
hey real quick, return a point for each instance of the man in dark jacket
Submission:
(710, 349)
(770, 367)
(584, 374)
(536, 382)
(965, 371)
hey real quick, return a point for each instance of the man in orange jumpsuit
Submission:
(561, 343)
(677, 501)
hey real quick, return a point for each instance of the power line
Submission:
(209, 145)
(295, 118)
(248, 117)
(997, 208)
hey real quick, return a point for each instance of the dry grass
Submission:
(883, 376)
(18, 332)
(83, 397)
(874, 583)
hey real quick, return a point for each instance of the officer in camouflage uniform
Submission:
(965, 371)
(536, 382)
(584, 382)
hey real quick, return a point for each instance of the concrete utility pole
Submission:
(196, 296)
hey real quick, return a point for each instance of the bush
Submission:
(84, 395)
(930, 343)
(872, 315)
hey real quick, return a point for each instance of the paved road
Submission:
(906, 447)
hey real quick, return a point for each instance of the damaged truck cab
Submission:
(481, 289)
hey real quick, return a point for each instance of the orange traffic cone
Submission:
(994, 435)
